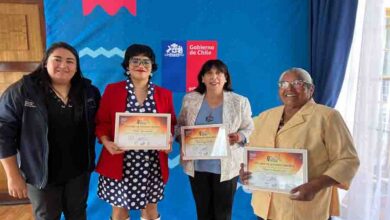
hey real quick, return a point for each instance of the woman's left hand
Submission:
(304, 192)
(244, 175)
(234, 138)
(307, 191)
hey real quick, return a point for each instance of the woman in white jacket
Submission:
(214, 182)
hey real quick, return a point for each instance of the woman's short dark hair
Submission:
(207, 66)
(135, 50)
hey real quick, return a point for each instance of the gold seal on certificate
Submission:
(142, 131)
(276, 169)
(202, 142)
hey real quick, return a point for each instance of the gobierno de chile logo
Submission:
(174, 50)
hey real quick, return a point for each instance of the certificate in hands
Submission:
(203, 142)
(147, 131)
(276, 169)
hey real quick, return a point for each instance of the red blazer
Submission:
(114, 100)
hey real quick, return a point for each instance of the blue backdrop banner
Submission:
(174, 65)
(256, 39)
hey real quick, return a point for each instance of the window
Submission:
(385, 110)
(365, 103)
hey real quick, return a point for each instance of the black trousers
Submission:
(69, 198)
(213, 199)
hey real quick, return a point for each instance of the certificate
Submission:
(145, 131)
(276, 169)
(203, 142)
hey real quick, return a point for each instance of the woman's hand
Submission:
(234, 138)
(307, 191)
(170, 146)
(244, 175)
(304, 192)
(111, 146)
(17, 186)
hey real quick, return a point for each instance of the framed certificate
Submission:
(203, 142)
(142, 131)
(275, 169)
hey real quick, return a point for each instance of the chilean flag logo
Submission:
(182, 61)
(110, 6)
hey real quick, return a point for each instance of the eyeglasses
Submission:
(297, 84)
(145, 62)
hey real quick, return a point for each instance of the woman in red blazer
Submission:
(134, 179)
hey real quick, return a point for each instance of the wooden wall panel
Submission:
(7, 78)
(22, 43)
(20, 32)
(3, 180)
(13, 32)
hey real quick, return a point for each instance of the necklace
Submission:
(210, 117)
(62, 97)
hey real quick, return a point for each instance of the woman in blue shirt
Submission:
(214, 182)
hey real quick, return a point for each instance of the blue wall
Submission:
(256, 39)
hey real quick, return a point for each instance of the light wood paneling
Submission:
(20, 32)
(22, 43)
(3, 180)
(17, 212)
(6, 79)
(13, 37)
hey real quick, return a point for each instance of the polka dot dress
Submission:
(142, 182)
